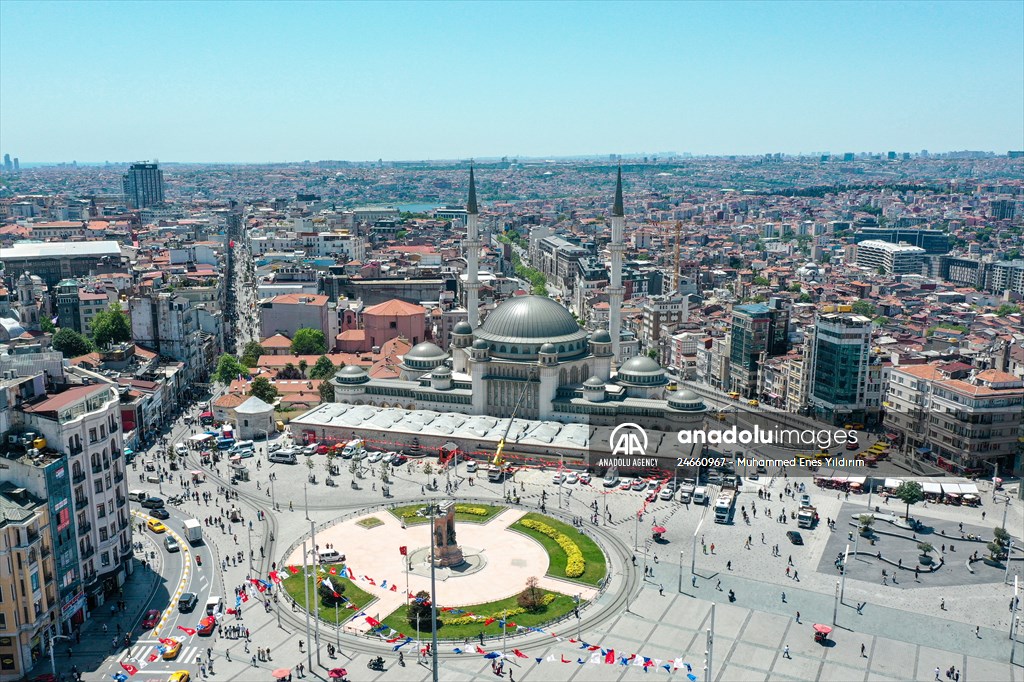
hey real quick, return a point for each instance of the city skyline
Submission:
(246, 83)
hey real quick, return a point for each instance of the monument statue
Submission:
(446, 551)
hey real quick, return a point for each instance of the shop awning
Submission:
(924, 450)
(968, 489)
(206, 415)
(931, 488)
(893, 483)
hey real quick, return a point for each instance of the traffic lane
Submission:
(199, 580)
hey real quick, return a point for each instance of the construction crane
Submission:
(497, 469)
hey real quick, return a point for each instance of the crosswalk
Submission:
(142, 650)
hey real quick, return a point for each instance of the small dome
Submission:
(687, 401)
(442, 371)
(593, 382)
(601, 336)
(480, 344)
(640, 364)
(462, 328)
(425, 351)
(641, 371)
(548, 348)
(351, 371)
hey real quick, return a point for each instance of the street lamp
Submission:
(53, 663)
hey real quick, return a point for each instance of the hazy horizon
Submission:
(250, 82)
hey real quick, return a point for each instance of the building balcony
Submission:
(76, 450)
(89, 551)
(45, 552)
(84, 528)
(118, 477)
(97, 468)
(114, 427)
(120, 502)
(81, 503)
(47, 577)
(115, 455)
(78, 478)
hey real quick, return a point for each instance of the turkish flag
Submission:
(610, 656)
(488, 621)
(245, 597)
(293, 569)
(187, 631)
(334, 570)
(336, 595)
(152, 657)
(519, 653)
(394, 588)
(274, 577)
(129, 668)
(403, 550)
(565, 661)
(479, 650)
(166, 641)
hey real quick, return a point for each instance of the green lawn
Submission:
(412, 519)
(595, 569)
(560, 606)
(293, 585)
(370, 522)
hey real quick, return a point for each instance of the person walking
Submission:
(693, 581)
(798, 617)
(862, 650)
(785, 653)
(783, 597)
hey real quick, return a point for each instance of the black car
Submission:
(153, 503)
(795, 537)
(187, 602)
(160, 513)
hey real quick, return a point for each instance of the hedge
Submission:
(574, 565)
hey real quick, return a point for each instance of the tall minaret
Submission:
(472, 255)
(616, 290)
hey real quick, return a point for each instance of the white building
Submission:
(897, 259)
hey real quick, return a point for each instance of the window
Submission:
(97, 485)
(105, 559)
(92, 435)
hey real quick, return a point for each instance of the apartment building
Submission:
(956, 417)
(839, 368)
(169, 325)
(28, 592)
(895, 259)
(288, 313)
(662, 315)
(758, 331)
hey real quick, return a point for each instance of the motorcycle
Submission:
(376, 663)
(199, 560)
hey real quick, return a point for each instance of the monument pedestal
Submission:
(447, 552)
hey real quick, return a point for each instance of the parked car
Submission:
(180, 676)
(471, 466)
(639, 484)
(805, 500)
(652, 496)
(667, 493)
(795, 537)
(627, 483)
(558, 478)
(572, 478)
(309, 449)
(375, 457)
(652, 484)
(585, 478)
(171, 544)
(274, 447)
(187, 602)
(160, 513)
(152, 503)
(612, 482)
(150, 620)
(399, 459)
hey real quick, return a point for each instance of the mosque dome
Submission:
(548, 348)
(518, 328)
(687, 401)
(601, 336)
(424, 356)
(593, 382)
(641, 371)
(462, 328)
(352, 374)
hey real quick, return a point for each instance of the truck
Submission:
(193, 531)
(724, 506)
(807, 516)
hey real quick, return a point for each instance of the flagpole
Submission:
(305, 580)
(316, 559)
(504, 636)
(433, 593)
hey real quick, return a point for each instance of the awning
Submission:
(893, 483)
(924, 450)
(931, 488)
(206, 414)
(129, 451)
(860, 480)
(968, 489)
(951, 488)
(200, 437)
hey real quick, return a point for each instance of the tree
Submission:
(326, 391)
(761, 281)
(910, 492)
(1007, 309)
(866, 521)
(289, 371)
(805, 298)
(323, 368)
(111, 326)
(925, 548)
(229, 369)
(263, 389)
(995, 550)
(302, 368)
(427, 469)
(531, 597)
(46, 326)
(864, 308)
(419, 613)
(251, 353)
(71, 343)
(309, 341)
(1001, 536)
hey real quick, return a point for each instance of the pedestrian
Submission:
(798, 617)
(693, 581)
(785, 653)
(728, 565)
(712, 548)
(942, 604)
(936, 672)
(796, 575)
(661, 590)
(254, 661)
(977, 631)
(862, 649)
(719, 586)
(783, 597)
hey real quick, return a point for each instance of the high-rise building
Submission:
(17, 165)
(1006, 275)
(840, 356)
(896, 259)
(758, 331)
(934, 242)
(143, 185)
(8, 166)
(1003, 209)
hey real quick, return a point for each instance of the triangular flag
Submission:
(457, 650)
(152, 657)
(519, 654)
(293, 569)
(187, 631)
(565, 661)
(610, 656)
(129, 668)
(334, 570)
(479, 650)
(394, 588)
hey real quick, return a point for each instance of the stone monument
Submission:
(447, 552)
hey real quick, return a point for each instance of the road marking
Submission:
(186, 565)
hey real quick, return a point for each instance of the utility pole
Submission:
(708, 673)
(305, 580)
(842, 588)
(433, 594)
(680, 570)
(316, 563)
(835, 606)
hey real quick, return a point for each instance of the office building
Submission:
(758, 331)
(934, 242)
(963, 271)
(1006, 275)
(143, 185)
(840, 356)
(55, 261)
(888, 258)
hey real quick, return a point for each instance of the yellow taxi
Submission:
(172, 650)
(180, 676)
(734, 395)
(156, 526)
(753, 403)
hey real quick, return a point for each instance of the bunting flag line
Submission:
(519, 654)
(399, 646)
(152, 657)
(293, 569)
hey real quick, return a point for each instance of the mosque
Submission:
(531, 359)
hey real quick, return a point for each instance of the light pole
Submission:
(433, 594)
(305, 580)
(709, 675)
(53, 664)
(250, 550)
(680, 570)
(693, 557)
(835, 606)
(842, 588)
(316, 561)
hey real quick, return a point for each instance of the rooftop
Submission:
(27, 249)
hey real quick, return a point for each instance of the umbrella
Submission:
(281, 672)
(823, 629)
(336, 673)
(659, 529)
(197, 472)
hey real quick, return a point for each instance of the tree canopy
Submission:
(111, 326)
(263, 389)
(909, 492)
(327, 391)
(229, 369)
(864, 308)
(71, 343)
(419, 612)
(323, 369)
(309, 341)
(251, 353)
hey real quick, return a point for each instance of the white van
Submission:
(283, 457)
(243, 445)
(181, 449)
(700, 495)
(214, 606)
(353, 447)
(138, 495)
(330, 556)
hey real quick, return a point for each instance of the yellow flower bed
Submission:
(466, 620)
(548, 598)
(574, 565)
(475, 511)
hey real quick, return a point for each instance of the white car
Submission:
(471, 466)
(572, 478)
(375, 457)
(389, 457)
(639, 484)
(558, 478)
(274, 447)
(667, 493)
(585, 478)
(612, 482)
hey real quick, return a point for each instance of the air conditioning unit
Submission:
(13, 439)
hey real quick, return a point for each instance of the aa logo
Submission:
(628, 440)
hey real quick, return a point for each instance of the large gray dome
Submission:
(517, 329)
(351, 374)
(425, 351)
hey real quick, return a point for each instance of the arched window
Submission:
(562, 378)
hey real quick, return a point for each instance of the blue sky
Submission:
(200, 81)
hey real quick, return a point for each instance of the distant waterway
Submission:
(418, 208)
